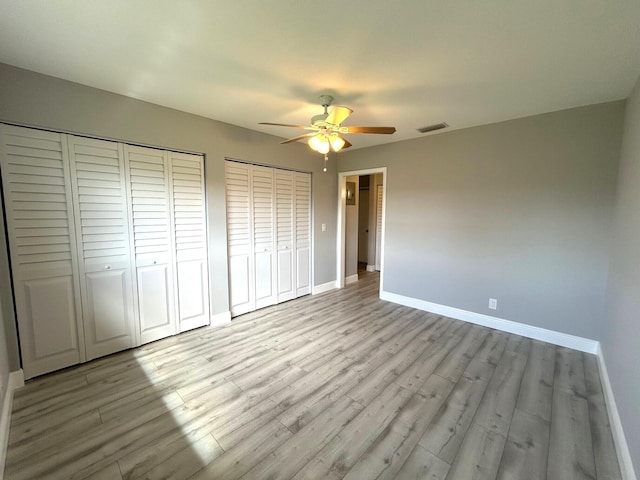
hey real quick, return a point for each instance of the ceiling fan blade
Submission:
(347, 143)
(299, 137)
(338, 115)
(306, 127)
(382, 130)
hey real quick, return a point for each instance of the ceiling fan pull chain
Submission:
(326, 157)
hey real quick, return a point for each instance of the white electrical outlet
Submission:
(324, 227)
(493, 303)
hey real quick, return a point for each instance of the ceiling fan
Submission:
(326, 130)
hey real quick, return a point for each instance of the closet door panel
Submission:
(285, 234)
(263, 235)
(155, 289)
(302, 183)
(190, 230)
(239, 234)
(48, 323)
(41, 231)
(97, 167)
(107, 304)
(150, 216)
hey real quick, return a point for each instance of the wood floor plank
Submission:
(461, 354)
(536, 389)
(265, 397)
(243, 456)
(604, 450)
(570, 448)
(183, 464)
(424, 465)
(479, 456)
(343, 451)
(499, 402)
(525, 452)
(450, 424)
(389, 452)
(294, 453)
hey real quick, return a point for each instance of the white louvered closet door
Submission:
(190, 230)
(97, 167)
(150, 214)
(239, 235)
(285, 236)
(302, 185)
(38, 202)
(379, 190)
(262, 193)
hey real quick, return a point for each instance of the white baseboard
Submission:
(619, 439)
(550, 336)
(371, 268)
(324, 287)
(351, 279)
(220, 319)
(16, 380)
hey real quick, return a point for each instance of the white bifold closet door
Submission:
(302, 209)
(41, 230)
(100, 203)
(150, 213)
(269, 235)
(190, 230)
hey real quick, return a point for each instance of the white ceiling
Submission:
(405, 63)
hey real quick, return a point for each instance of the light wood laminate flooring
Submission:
(331, 386)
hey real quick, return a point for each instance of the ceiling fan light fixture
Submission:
(337, 142)
(320, 143)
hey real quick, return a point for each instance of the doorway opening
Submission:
(361, 214)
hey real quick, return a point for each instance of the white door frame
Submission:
(342, 220)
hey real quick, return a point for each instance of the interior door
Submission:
(100, 204)
(285, 235)
(303, 232)
(41, 232)
(262, 195)
(151, 243)
(379, 191)
(239, 234)
(190, 230)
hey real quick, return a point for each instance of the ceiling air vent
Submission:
(431, 128)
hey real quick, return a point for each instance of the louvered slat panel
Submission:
(149, 189)
(238, 211)
(37, 202)
(262, 189)
(100, 161)
(303, 208)
(284, 208)
(188, 169)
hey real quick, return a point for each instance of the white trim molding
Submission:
(324, 287)
(550, 336)
(371, 268)
(619, 439)
(351, 279)
(16, 380)
(220, 319)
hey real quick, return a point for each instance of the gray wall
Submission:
(37, 100)
(519, 211)
(620, 337)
